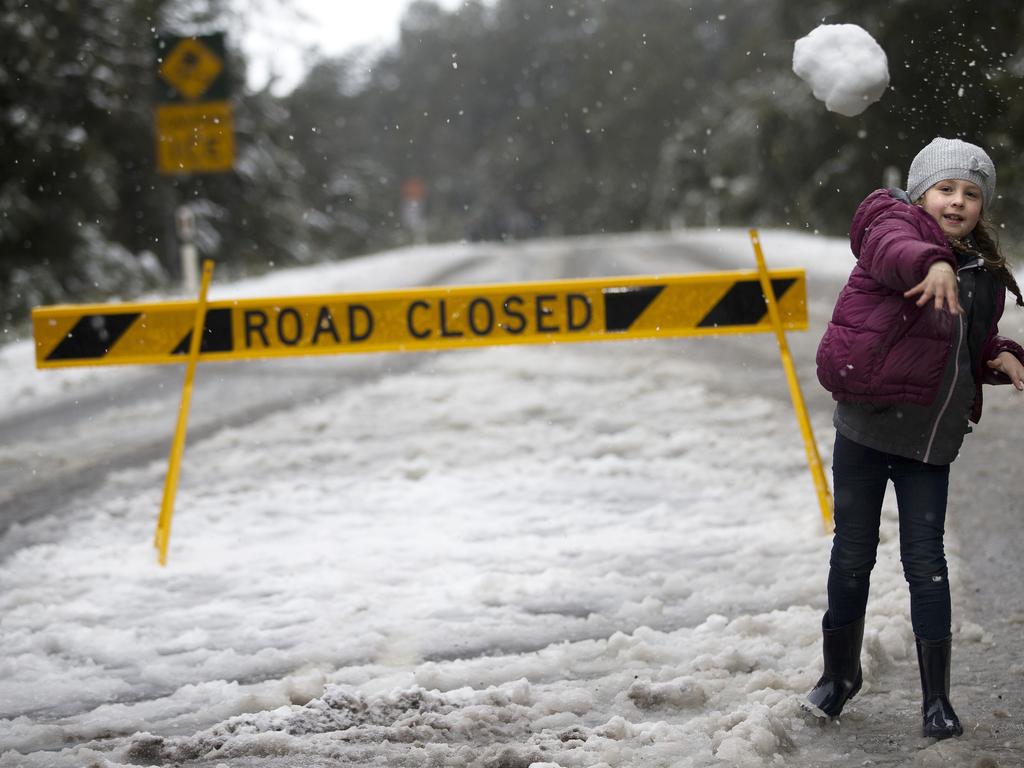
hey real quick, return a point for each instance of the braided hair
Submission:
(986, 245)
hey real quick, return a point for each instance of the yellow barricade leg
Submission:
(163, 527)
(813, 458)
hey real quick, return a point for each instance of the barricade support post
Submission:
(813, 458)
(163, 528)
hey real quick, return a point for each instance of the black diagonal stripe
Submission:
(622, 306)
(216, 334)
(92, 336)
(743, 304)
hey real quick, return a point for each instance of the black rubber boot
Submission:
(940, 721)
(842, 677)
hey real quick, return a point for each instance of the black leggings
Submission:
(860, 475)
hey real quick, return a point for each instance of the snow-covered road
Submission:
(576, 555)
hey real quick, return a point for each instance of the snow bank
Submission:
(844, 66)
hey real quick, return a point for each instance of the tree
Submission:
(521, 117)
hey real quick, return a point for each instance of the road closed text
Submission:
(447, 318)
(484, 316)
(306, 326)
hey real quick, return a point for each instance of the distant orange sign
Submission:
(414, 189)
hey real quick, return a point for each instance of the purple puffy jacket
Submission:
(880, 347)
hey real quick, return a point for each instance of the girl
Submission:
(912, 338)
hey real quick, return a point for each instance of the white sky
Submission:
(280, 44)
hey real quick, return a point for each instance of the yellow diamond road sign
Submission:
(191, 68)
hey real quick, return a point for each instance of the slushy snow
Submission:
(844, 66)
(575, 555)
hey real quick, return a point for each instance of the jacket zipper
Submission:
(952, 388)
(956, 371)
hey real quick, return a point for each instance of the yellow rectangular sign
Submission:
(598, 309)
(195, 138)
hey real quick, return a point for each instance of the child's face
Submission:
(955, 204)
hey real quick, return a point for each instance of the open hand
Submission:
(939, 284)
(1011, 366)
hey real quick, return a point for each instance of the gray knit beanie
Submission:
(952, 159)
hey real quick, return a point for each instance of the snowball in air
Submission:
(844, 66)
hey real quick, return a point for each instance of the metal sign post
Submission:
(194, 124)
(185, 224)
